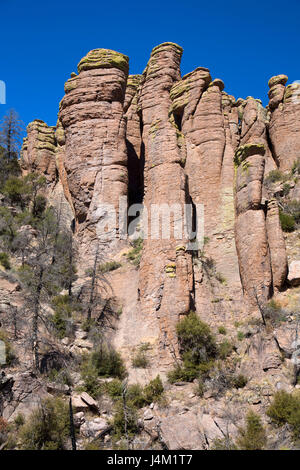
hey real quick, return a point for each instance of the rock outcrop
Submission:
(95, 161)
(284, 124)
(166, 141)
(166, 268)
(38, 152)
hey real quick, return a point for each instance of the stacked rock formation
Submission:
(95, 159)
(42, 153)
(38, 152)
(164, 140)
(284, 125)
(166, 269)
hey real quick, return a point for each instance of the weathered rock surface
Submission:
(38, 153)
(284, 124)
(165, 271)
(95, 160)
(159, 138)
(294, 273)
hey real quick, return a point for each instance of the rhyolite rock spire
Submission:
(163, 139)
(38, 151)
(92, 116)
(284, 124)
(166, 269)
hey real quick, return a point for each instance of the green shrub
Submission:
(293, 208)
(109, 266)
(287, 221)
(94, 445)
(222, 330)
(239, 381)
(197, 347)
(114, 388)
(296, 167)
(135, 396)
(19, 420)
(199, 388)
(196, 340)
(47, 428)
(154, 390)
(61, 376)
(285, 408)
(10, 356)
(108, 363)
(286, 189)
(135, 254)
(225, 349)
(103, 362)
(274, 313)
(17, 190)
(39, 205)
(179, 374)
(221, 278)
(89, 376)
(253, 436)
(63, 306)
(224, 444)
(88, 324)
(4, 260)
(274, 176)
(118, 421)
(140, 361)
(60, 324)
(240, 335)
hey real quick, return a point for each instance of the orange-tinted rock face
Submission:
(166, 272)
(259, 238)
(252, 245)
(43, 153)
(168, 141)
(38, 152)
(92, 116)
(284, 125)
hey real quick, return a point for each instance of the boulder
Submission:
(91, 429)
(89, 401)
(148, 414)
(294, 273)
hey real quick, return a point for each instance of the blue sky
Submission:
(242, 42)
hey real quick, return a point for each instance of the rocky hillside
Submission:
(184, 341)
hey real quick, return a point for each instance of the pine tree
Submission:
(11, 131)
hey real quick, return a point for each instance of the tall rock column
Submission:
(166, 271)
(38, 151)
(202, 117)
(254, 128)
(251, 235)
(40, 154)
(284, 127)
(91, 114)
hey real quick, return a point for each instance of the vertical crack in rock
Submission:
(134, 141)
